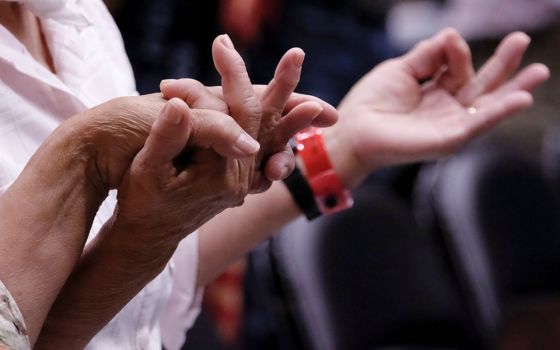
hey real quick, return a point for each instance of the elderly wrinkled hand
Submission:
(171, 189)
(212, 161)
(272, 113)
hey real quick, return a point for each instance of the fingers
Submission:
(194, 93)
(299, 118)
(428, 56)
(169, 134)
(326, 118)
(178, 124)
(492, 112)
(211, 129)
(527, 79)
(458, 58)
(280, 165)
(281, 87)
(238, 92)
(497, 69)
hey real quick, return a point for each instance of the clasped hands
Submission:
(207, 149)
(180, 157)
(411, 108)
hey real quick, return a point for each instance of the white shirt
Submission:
(92, 68)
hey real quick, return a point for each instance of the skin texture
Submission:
(84, 158)
(71, 172)
(167, 192)
(415, 107)
(278, 125)
(411, 108)
(40, 244)
(389, 117)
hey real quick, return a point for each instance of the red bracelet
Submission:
(330, 193)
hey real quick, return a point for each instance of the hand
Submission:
(114, 132)
(144, 193)
(428, 103)
(171, 189)
(281, 113)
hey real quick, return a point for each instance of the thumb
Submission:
(169, 134)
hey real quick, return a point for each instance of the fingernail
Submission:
(165, 82)
(317, 112)
(298, 60)
(226, 40)
(172, 114)
(245, 144)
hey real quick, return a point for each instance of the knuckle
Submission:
(124, 105)
(138, 168)
(125, 101)
(230, 129)
(235, 68)
(199, 124)
(142, 168)
(163, 135)
(226, 122)
(234, 184)
(249, 106)
(241, 191)
(252, 105)
(191, 83)
(235, 192)
(393, 63)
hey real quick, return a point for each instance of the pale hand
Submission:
(428, 103)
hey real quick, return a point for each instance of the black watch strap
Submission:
(303, 195)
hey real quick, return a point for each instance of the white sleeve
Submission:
(184, 303)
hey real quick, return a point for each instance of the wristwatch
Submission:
(320, 190)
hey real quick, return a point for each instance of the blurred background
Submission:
(459, 254)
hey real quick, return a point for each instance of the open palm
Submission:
(429, 102)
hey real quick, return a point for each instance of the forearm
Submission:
(233, 233)
(110, 273)
(44, 218)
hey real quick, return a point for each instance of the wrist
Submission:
(317, 189)
(47, 214)
(75, 157)
(141, 246)
(346, 162)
